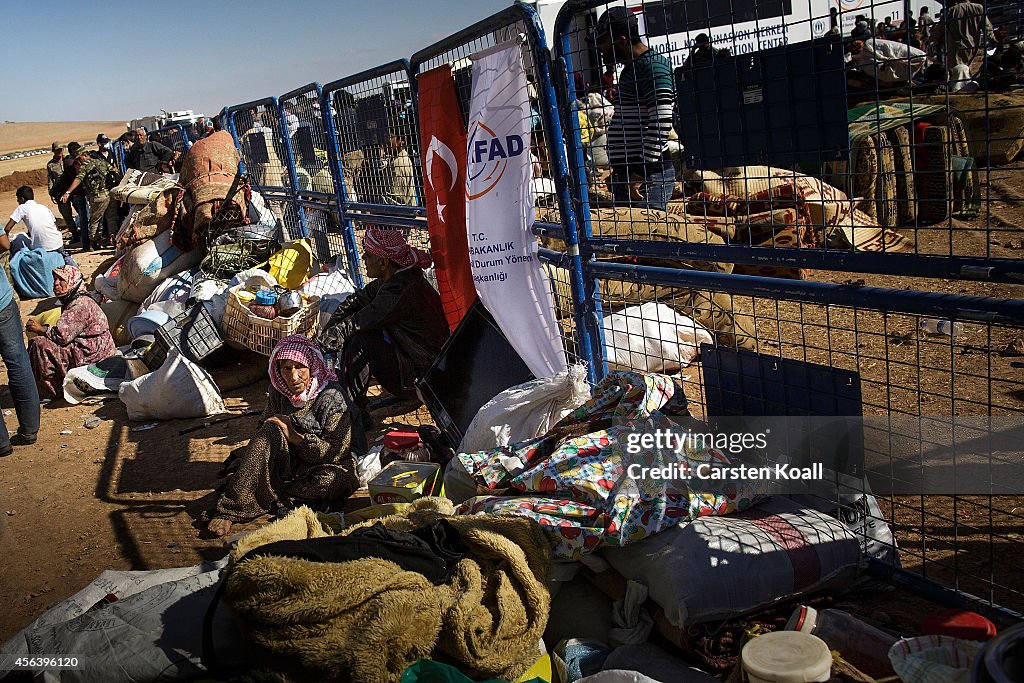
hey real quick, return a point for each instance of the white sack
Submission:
(526, 411)
(177, 389)
(149, 264)
(653, 338)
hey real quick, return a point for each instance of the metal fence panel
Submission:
(175, 137)
(317, 189)
(890, 256)
(763, 170)
(374, 147)
(266, 157)
(551, 191)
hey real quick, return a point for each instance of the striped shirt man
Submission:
(639, 130)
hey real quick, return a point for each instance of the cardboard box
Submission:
(404, 482)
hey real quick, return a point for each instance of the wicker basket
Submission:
(244, 329)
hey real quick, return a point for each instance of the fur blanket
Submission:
(368, 620)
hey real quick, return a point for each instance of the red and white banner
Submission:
(507, 272)
(443, 141)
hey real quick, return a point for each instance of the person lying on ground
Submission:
(392, 329)
(80, 337)
(301, 452)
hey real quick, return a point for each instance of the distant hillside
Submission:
(17, 137)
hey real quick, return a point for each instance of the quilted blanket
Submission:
(577, 482)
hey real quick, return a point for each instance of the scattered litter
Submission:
(1014, 348)
(897, 339)
(63, 445)
(144, 427)
(859, 282)
(7, 412)
(65, 432)
(10, 513)
(92, 421)
(172, 545)
(1014, 244)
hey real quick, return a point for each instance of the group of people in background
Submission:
(946, 52)
(79, 181)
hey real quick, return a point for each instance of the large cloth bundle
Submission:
(141, 187)
(208, 173)
(32, 270)
(366, 604)
(713, 310)
(149, 221)
(149, 264)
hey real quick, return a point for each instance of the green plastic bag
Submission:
(428, 671)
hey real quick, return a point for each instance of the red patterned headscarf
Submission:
(301, 349)
(76, 283)
(391, 244)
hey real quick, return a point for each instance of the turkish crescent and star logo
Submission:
(488, 156)
(438, 150)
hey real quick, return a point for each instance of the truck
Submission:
(164, 118)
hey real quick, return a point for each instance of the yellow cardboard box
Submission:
(404, 482)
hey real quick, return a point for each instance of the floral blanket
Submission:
(576, 482)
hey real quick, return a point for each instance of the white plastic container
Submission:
(786, 657)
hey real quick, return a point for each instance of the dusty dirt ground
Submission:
(77, 503)
(18, 137)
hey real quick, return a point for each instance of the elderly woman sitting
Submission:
(301, 451)
(80, 337)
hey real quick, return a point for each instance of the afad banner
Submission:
(502, 251)
(444, 172)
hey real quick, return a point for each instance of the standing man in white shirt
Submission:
(38, 219)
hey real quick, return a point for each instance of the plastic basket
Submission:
(244, 329)
(193, 333)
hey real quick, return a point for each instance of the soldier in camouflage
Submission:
(92, 175)
(54, 170)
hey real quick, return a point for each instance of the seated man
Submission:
(39, 221)
(393, 328)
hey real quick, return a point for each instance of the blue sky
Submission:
(129, 59)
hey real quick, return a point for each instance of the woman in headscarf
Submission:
(393, 328)
(80, 337)
(301, 452)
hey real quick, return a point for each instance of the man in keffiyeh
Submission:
(391, 329)
(301, 453)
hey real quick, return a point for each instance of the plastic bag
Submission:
(106, 284)
(177, 288)
(525, 411)
(333, 287)
(177, 389)
(652, 338)
(291, 266)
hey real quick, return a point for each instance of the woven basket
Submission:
(244, 329)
